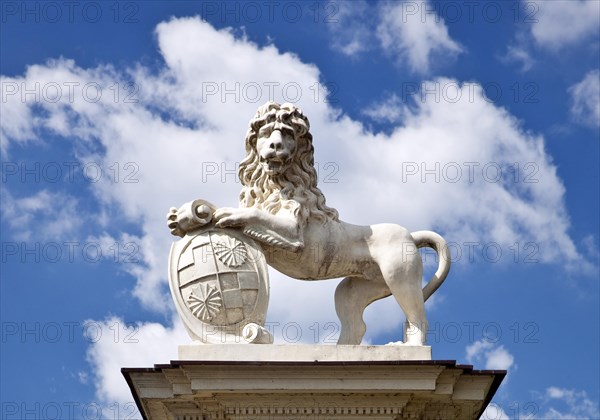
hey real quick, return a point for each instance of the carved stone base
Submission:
(301, 353)
(261, 389)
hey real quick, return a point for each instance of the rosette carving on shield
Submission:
(205, 302)
(231, 252)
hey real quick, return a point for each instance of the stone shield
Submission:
(219, 282)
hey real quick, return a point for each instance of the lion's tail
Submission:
(426, 238)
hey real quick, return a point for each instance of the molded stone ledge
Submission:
(301, 353)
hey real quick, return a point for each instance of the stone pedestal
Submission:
(309, 382)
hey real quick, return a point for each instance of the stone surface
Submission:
(302, 353)
(198, 390)
(282, 208)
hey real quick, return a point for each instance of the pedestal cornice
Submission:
(262, 389)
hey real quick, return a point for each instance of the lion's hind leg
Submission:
(399, 261)
(404, 280)
(352, 296)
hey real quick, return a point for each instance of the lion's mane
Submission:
(295, 189)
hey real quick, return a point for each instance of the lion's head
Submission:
(278, 171)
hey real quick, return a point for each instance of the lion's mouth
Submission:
(273, 166)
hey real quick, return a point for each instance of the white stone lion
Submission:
(282, 208)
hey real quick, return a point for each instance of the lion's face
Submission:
(276, 146)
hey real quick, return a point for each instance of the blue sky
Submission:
(479, 120)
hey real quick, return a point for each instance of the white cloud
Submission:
(117, 344)
(18, 114)
(565, 22)
(83, 377)
(572, 404)
(499, 358)
(518, 55)
(50, 215)
(412, 36)
(185, 142)
(389, 110)
(350, 33)
(465, 144)
(585, 98)
(555, 403)
(493, 356)
(404, 30)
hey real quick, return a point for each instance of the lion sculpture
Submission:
(283, 209)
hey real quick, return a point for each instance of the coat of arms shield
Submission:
(219, 282)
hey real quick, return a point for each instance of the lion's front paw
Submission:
(232, 217)
(173, 222)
